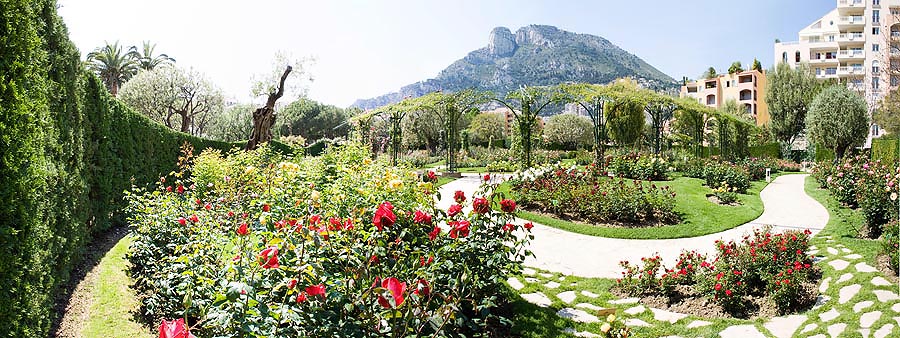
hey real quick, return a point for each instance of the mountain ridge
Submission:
(533, 55)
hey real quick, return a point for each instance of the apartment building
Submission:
(856, 44)
(747, 88)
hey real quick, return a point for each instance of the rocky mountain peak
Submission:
(502, 42)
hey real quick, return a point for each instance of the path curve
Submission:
(787, 206)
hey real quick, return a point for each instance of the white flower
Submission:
(893, 196)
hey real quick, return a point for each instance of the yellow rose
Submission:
(395, 184)
(605, 327)
(611, 318)
(315, 196)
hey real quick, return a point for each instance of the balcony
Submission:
(846, 54)
(845, 6)
(846, 71)
(854, 20)
(850, 38)
(823, 60)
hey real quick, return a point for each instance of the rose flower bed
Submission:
(869, 185)
(589, 194)
(765, 274)
(257, 245)
(638, 166)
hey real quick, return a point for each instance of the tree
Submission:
(182, 100)
(838, 119)
(735, 67)
(145, 58)
(450, 109)
(709, 74)
(734, 108)
(425, 129)
(526, 104)
(231, 125)
(625, 115)
(660, 111)
(888, 113)
(312, 120)
(569, 131)
(592, 99)
(790, 92)
(488, 129)
(757, 66)
(113, 65)
(692, 120)
(273, 86)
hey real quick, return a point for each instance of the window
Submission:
(876, 69)
(876, 30)
(784, 57)
(876, 2)
(895, 11)
(818, 71)
(710, 99)
(797, 56)
(875, 83)
(875, 16)
(875, 47)
(895, 81)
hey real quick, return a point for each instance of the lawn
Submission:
(699, 215)
(111, 314)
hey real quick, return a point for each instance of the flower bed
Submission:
(638, 166)
(259, 245)
(869, 185)
(589, 194)
(764, 268)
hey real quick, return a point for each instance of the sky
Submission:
(363, 49)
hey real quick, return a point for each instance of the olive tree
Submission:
(591, 98)
(488, 128)
(568, 131)
(838, 119)
(790, 92)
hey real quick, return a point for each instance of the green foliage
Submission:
(736, 67)
(890, 244)
(709, 73)
(526, 105)
(886, 150)
(312, 120)
(625, 118)
(768, 150)
(232, 125)
(488, 129)
(857, 181)
(888, 113)
(790, 93)
(838, 119)
(726, 174)
(638, 166)
(757, 66)
(568, 132)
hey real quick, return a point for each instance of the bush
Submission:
(332, 246)
(857, 182)
(890, 244)
(591, 195)
(639, 167)
(725, 194)
(726, 174)
(885, 150)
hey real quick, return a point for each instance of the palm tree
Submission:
(113, 65)
(145, 58)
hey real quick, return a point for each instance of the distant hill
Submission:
(534, 55)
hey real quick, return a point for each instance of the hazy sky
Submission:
(368, 48)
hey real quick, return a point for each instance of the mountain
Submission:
(534, 55)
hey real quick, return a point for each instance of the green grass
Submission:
(443, 180)
(114, 303)
(699, 215)
(843, 223)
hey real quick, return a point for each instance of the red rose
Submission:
(198, 201)
(242, 229)
(422, 218)
(335, 223)
(348, 224)
(194, 218)
(434, 233)
(422, 288)
(508, 205)
(373, 259)
(728, 292)
(231, 214)
(174, 329)
(316, 290)
(301, 297)
(207, 206)
(180, 189)
(528, 226)
(487, 177)
(459, 229)
(266, 208)
(396, 288)
(454, 209)
(718, 287)
(292, 283)
(169, 188)
(384, 216)
(508, 227)
(432, 176)
(268, 258)
(182, 221)
(459, 196)
(315, 219)
(481, 205)
(424, 262)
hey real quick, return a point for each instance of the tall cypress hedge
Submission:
(67, 152)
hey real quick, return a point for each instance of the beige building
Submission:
(855, 43)
(748, 88)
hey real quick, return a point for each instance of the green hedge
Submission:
(68, 151)
(770, 150)
(885, 149)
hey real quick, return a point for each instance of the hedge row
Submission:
(67, 152)
(886, 149)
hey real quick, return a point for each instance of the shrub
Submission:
(501, 166)
(590, 195)
(866, 184)
(890, 244)
(337, 245)
(639, 167)
(726, 174)
(725, 194)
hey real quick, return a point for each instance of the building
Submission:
(856, 43)
(748, 88)
(510, 118)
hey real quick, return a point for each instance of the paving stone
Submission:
(546, 275)
(835, 330)
(829, 315)
(818, 336)
(624, 301)
(896, 308)
(573, 284)
(562, 278)
(698, 323)
(551, 285)
(863, 267)
(818, 259)
(528, 272)
(862, 305)
(845, 277)
(667, 316)
(885, 296)
(812, 252)
(784, 327)
(884, 331)
(897, 319)
(589, 294)
(531, 280)
(832, 251)
(577, 315)
(583, 334)
(847, 293)
(515, 283)
(824, 286)
(864, 332)
(820, 301)
(670, 337)
(880, 281)
(845, 250)
(567, 296)
(866, 320)
(589, 306)
(636, 310)
(537, 298)
(813, 247)
(809, 327)
(636, 322)
(853, 256)
(839, 264)
(741, 331)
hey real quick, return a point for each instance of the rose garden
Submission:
(661, 218)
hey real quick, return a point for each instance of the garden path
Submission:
(787, 206)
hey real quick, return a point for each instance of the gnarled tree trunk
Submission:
(264, 117)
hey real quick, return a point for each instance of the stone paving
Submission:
(865, 303)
